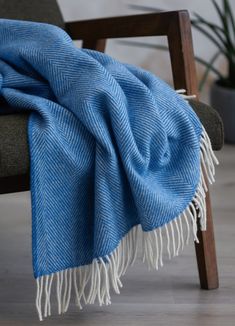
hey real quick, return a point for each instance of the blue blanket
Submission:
(115, 154)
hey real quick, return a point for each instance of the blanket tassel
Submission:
(94, 282)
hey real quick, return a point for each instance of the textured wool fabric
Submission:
(14, 143)
(111, 147)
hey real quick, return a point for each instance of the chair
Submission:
(175, 25)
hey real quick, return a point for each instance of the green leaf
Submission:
(205, 63)
(144, 45)
(217, 30)
(144, 8)
(229, 12)
(224, 20)
(201, 20)
(211, 38)
(209, 67)
(221, 15)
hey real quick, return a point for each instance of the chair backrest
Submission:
(44, 11)
(175, 25)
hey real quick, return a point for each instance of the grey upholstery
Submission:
(14, 157)
(212, 122)
(14, 153)
(44, 11)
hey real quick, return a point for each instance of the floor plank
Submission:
(170, 296)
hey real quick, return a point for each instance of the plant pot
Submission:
(223, 100)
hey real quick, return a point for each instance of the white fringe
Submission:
(186, 97)
(94, 282)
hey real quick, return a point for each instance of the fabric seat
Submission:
(14, 159)
(14, 152)
(42, 11)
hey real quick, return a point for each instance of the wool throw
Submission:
(116, 155)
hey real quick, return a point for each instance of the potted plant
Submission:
(222, 94)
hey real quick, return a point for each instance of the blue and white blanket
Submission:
(116, 155)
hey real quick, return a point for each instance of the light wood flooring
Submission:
(170, 296)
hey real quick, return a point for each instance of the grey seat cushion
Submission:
(14, 157)
(211, 121)
(43, 11)
(14, 152)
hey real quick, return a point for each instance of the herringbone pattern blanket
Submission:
(116, 155)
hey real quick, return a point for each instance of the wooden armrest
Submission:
(175, 25)
(154, 24)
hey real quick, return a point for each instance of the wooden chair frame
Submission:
(176, 27)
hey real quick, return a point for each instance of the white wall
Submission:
(153, 60)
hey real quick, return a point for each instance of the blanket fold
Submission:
(116, 155)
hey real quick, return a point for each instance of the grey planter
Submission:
(223, 100)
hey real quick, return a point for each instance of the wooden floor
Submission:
(167, 297)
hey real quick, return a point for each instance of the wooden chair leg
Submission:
(206, 253)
